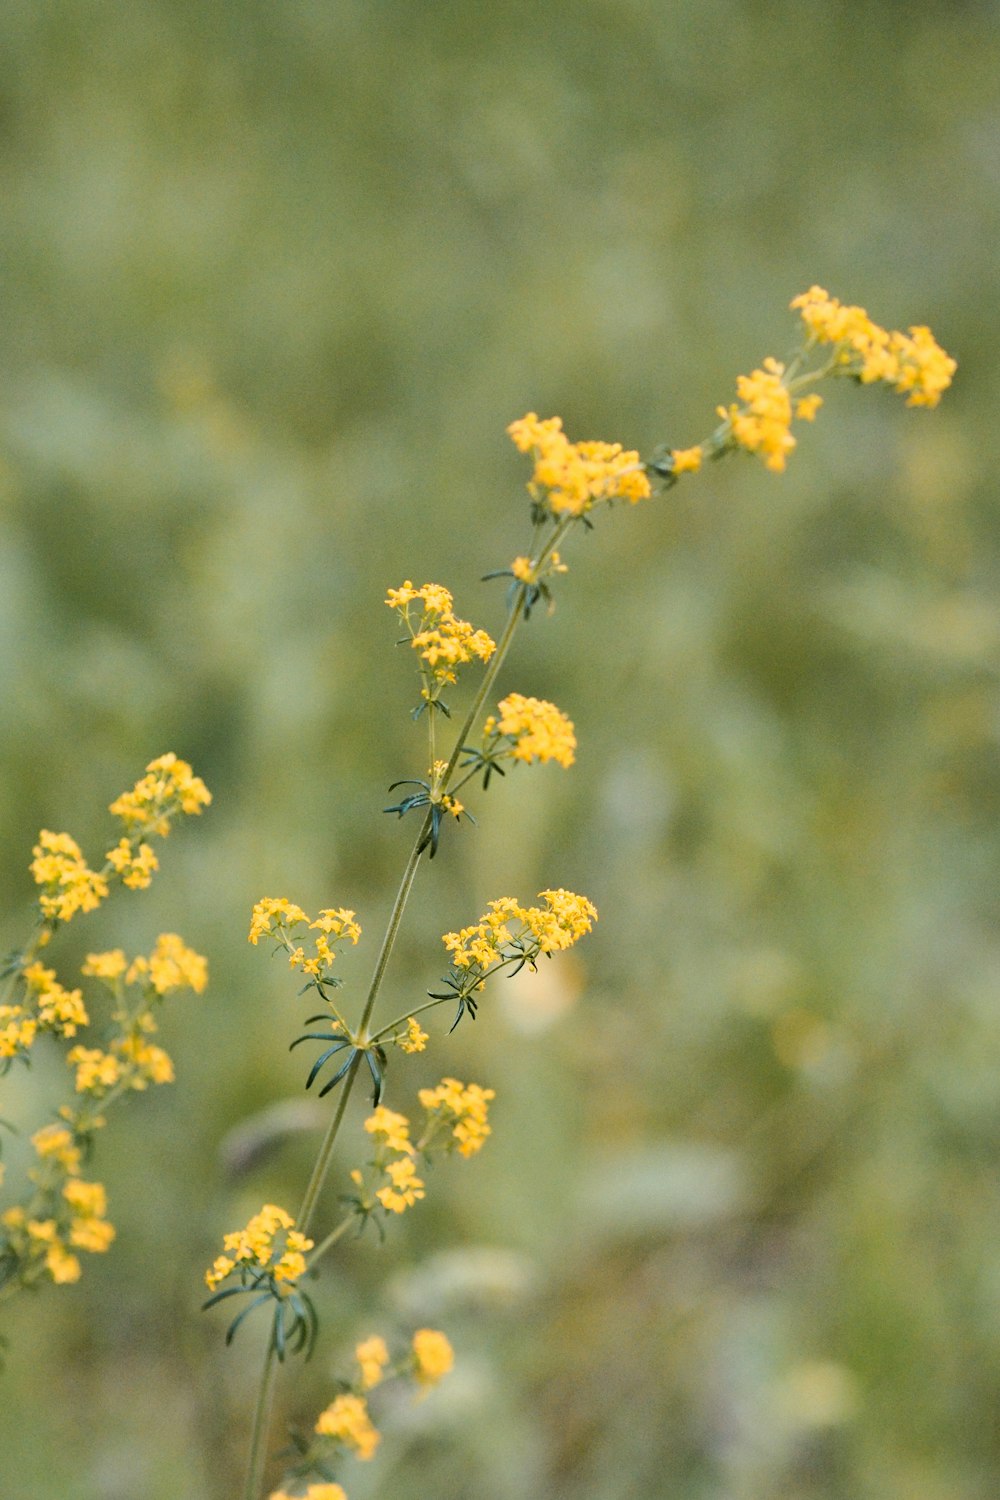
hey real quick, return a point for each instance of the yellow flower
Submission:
(109, 966)
(570, 478)
(93, 1235)
(925, 370)
(686, 460)
(59, 1010)
(69, 886)
(761, 423)
(393, 1129)
(143, 1063)
(499, 935)
(55, 1142)
(433, 1356)
(96, 1071)
(172, 965)
(270, 914)
(347, 1420)
(17, 1030)
(89, 1229)
(536, 728)
(415, 1039)
(313, 1492)
(168, 788)
(135, 866)
(463, 1108)
(913, 362)
(270, 1242)
(62, 1266)
(372, 1357)
(404, 1186)
(88, 1199)
(442, 640)
(338, 922)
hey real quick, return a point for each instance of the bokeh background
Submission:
(276, 275)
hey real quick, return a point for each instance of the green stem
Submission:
(385, 1030)
(261, 1423)
(331, 1239)
(322, 1162)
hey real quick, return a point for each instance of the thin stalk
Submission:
(331, 1239)
(261, 1423)
(322, 1162)
(384, 1031)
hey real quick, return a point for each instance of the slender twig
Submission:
(261, 1423)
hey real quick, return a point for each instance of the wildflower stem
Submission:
(322, 1162)
(261, 1423)
(385, 1031)
(331, 1239)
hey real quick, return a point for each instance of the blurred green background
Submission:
(276, 275)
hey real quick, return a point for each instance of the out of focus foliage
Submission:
(276, 275)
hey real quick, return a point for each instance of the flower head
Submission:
(534, 728)
(414, 1038)
(372, 1356)
(463, 1109)
(911, 362)
(172, 965)
(347, 1420)
(442, 640)
(59, 1010)
(270, 1245)
(761, 422)
(68, 885)
(569, 479)
(169, 787)
(433, 1356)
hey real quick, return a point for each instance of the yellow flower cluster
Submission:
(911, 362)
(269, 1244)
(276, 917)
(570, 478)
(270, 915)
(372, 1356)
(536, 729)
(463, 1108)
(347, 1424)
(17, 1030)
(414, 1039)
(761, 424)
(509, 931)
(442, 640)
(433, 1356)
(68, 885)
(78, 1216)
(686, 460)
(172, 965)
(58, 1009)
(394, 1159)
(168, 787)
(135, 867)
(347, 1420)
(133, 1062)
(46, 1006)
